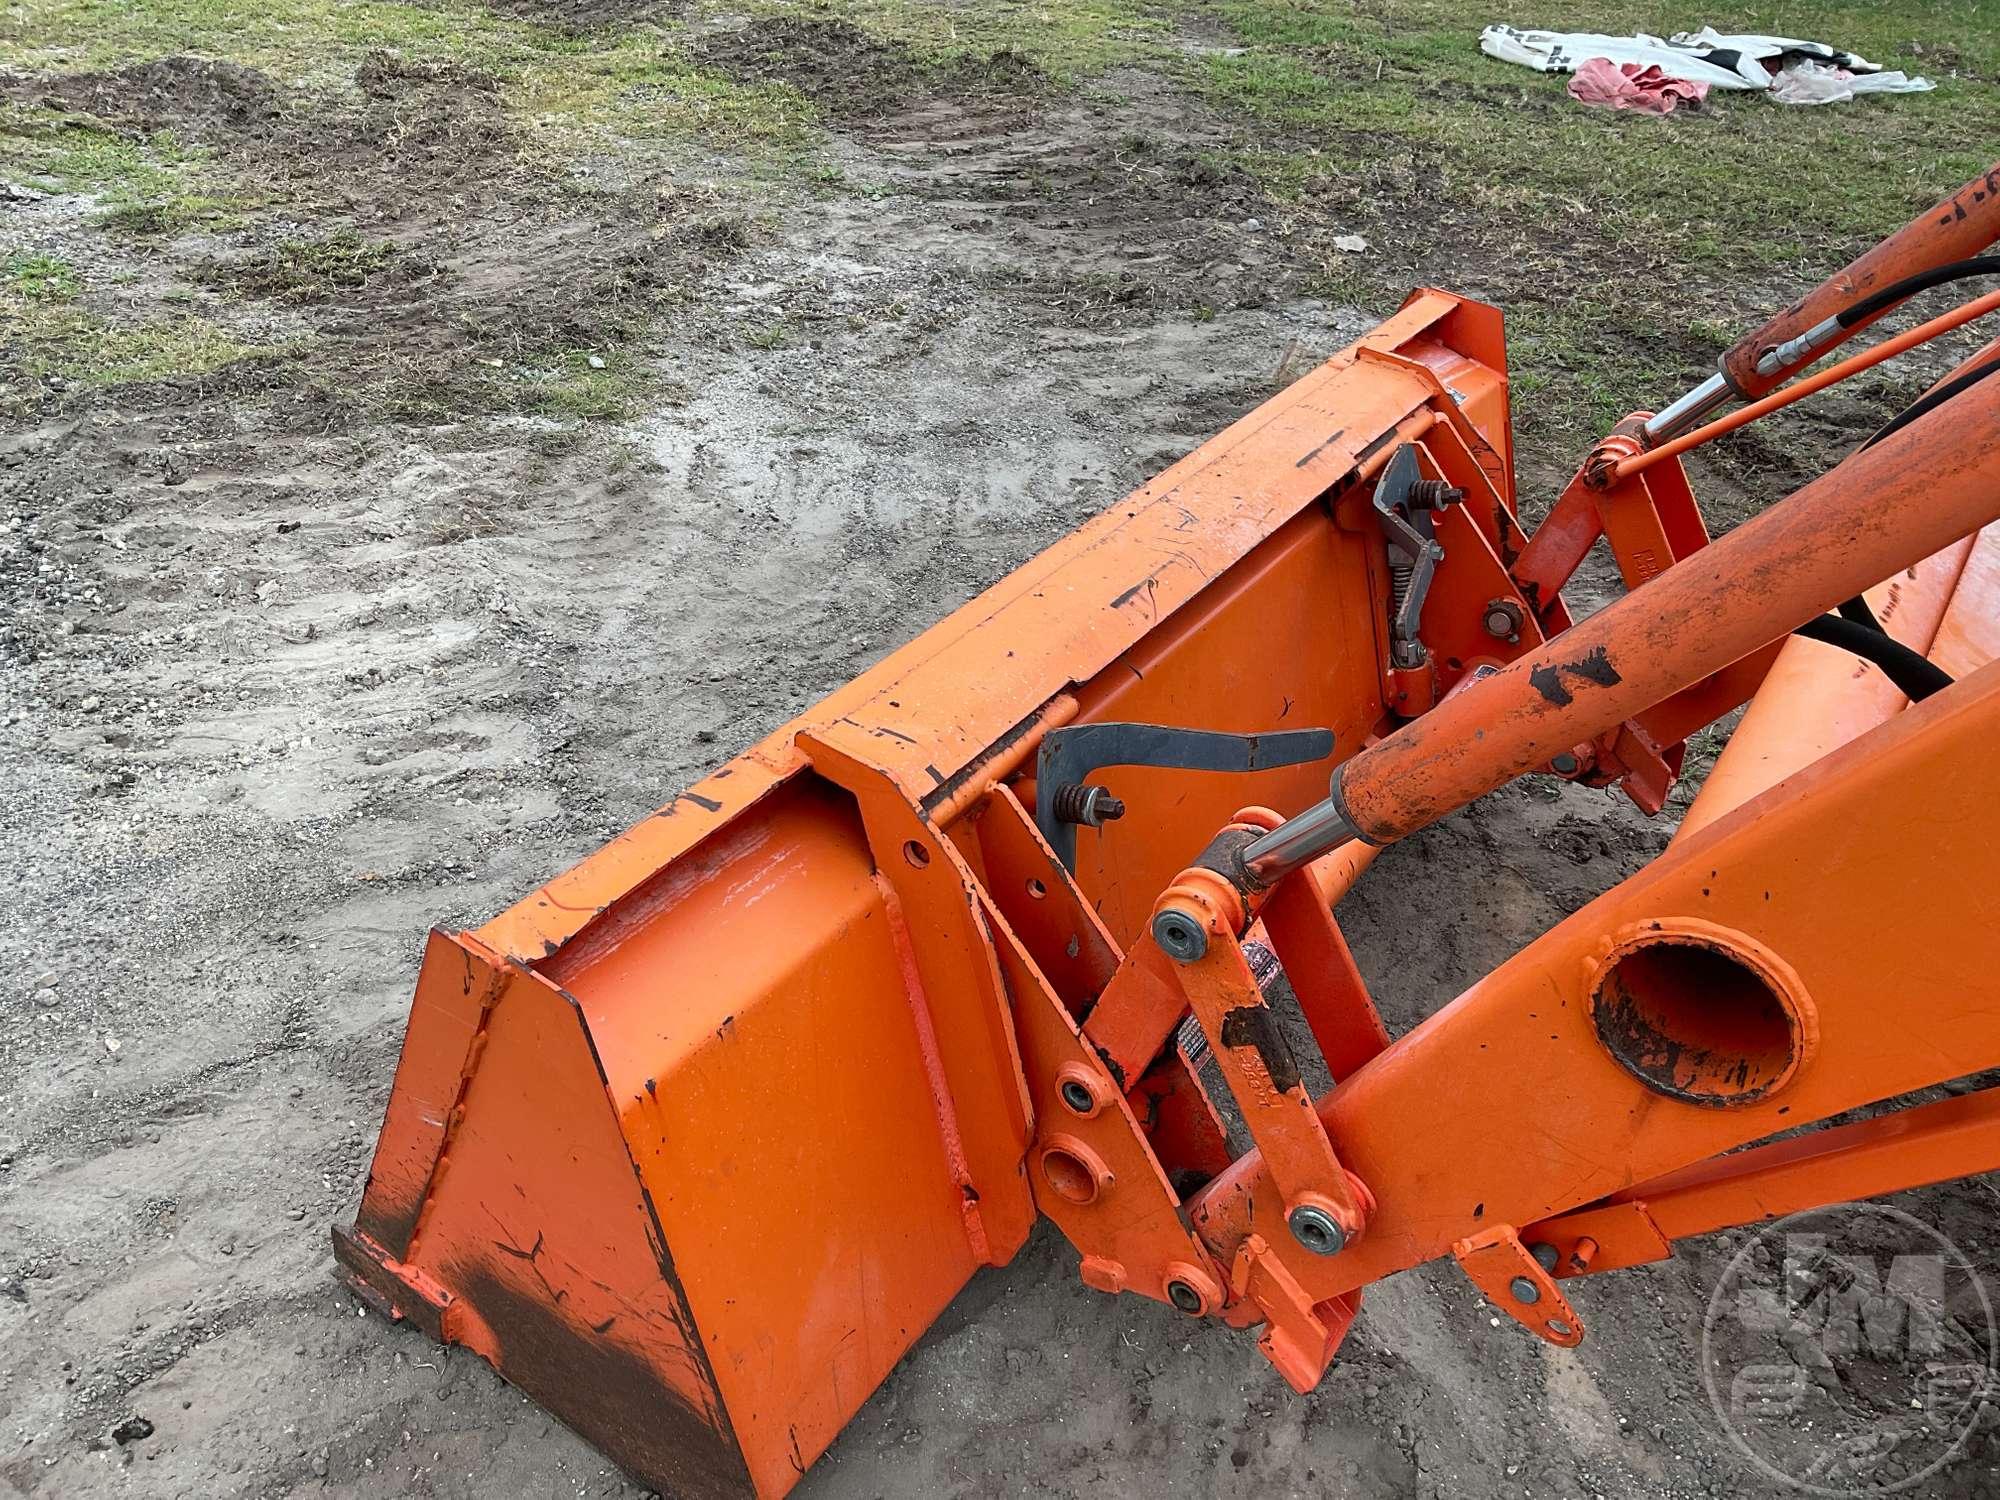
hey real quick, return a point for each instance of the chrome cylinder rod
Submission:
(1321, 828)
(1687, 411)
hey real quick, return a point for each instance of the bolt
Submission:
(1433, 494)
(1180, 936)
(1503, 619)
(1086, 803)
(1524, 1290)
(1564, 764)
(1545, 1254)
(1077, 1096)
(1185, 1297)
(1316, 1229)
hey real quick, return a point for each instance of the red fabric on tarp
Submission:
(1605, 84)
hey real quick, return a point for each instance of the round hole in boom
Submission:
(1074, 1171)
(916, 853)
(1702, 1015)
(1037, 889)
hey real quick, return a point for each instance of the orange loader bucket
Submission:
(695, 1141)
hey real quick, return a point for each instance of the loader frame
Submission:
(695, 1141)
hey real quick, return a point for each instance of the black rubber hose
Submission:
(1915, 676)
(1857, 610)
(1909, 286)
(1934, 399)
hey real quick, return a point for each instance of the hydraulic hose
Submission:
(1909, 286)
(1957, 385)
(1965, 224)
(1831, 329)
(1916, 676)
(1923, 333)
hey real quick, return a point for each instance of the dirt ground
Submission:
(300, 660)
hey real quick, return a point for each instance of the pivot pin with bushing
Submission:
(1316, 1229)
(1182, 936)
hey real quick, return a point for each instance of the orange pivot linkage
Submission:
(694, 1142)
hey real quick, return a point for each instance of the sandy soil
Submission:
(289, 680)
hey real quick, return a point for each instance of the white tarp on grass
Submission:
(1790, 69)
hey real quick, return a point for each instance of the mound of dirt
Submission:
(192, 95)
(449, 320)
(855, 77)
(428, 266)
(419, 129)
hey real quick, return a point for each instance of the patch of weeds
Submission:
(42, 278)
(53, 341)
(723, 234)
(638, 86)
(625, 457)
(557, 442)
(773, 335)
(306, 270)
(163, 349)
(146, 184)
(585, 387)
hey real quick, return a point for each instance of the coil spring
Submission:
(1070, 801)
(1399, 583)
(1425, 494)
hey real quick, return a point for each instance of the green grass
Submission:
(639, 86)
(1746, 179)
(1597, 230)
(49, 337)
(143, 184)
(298, 41)
(576, 390)
(574, 91)
(41, 278)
